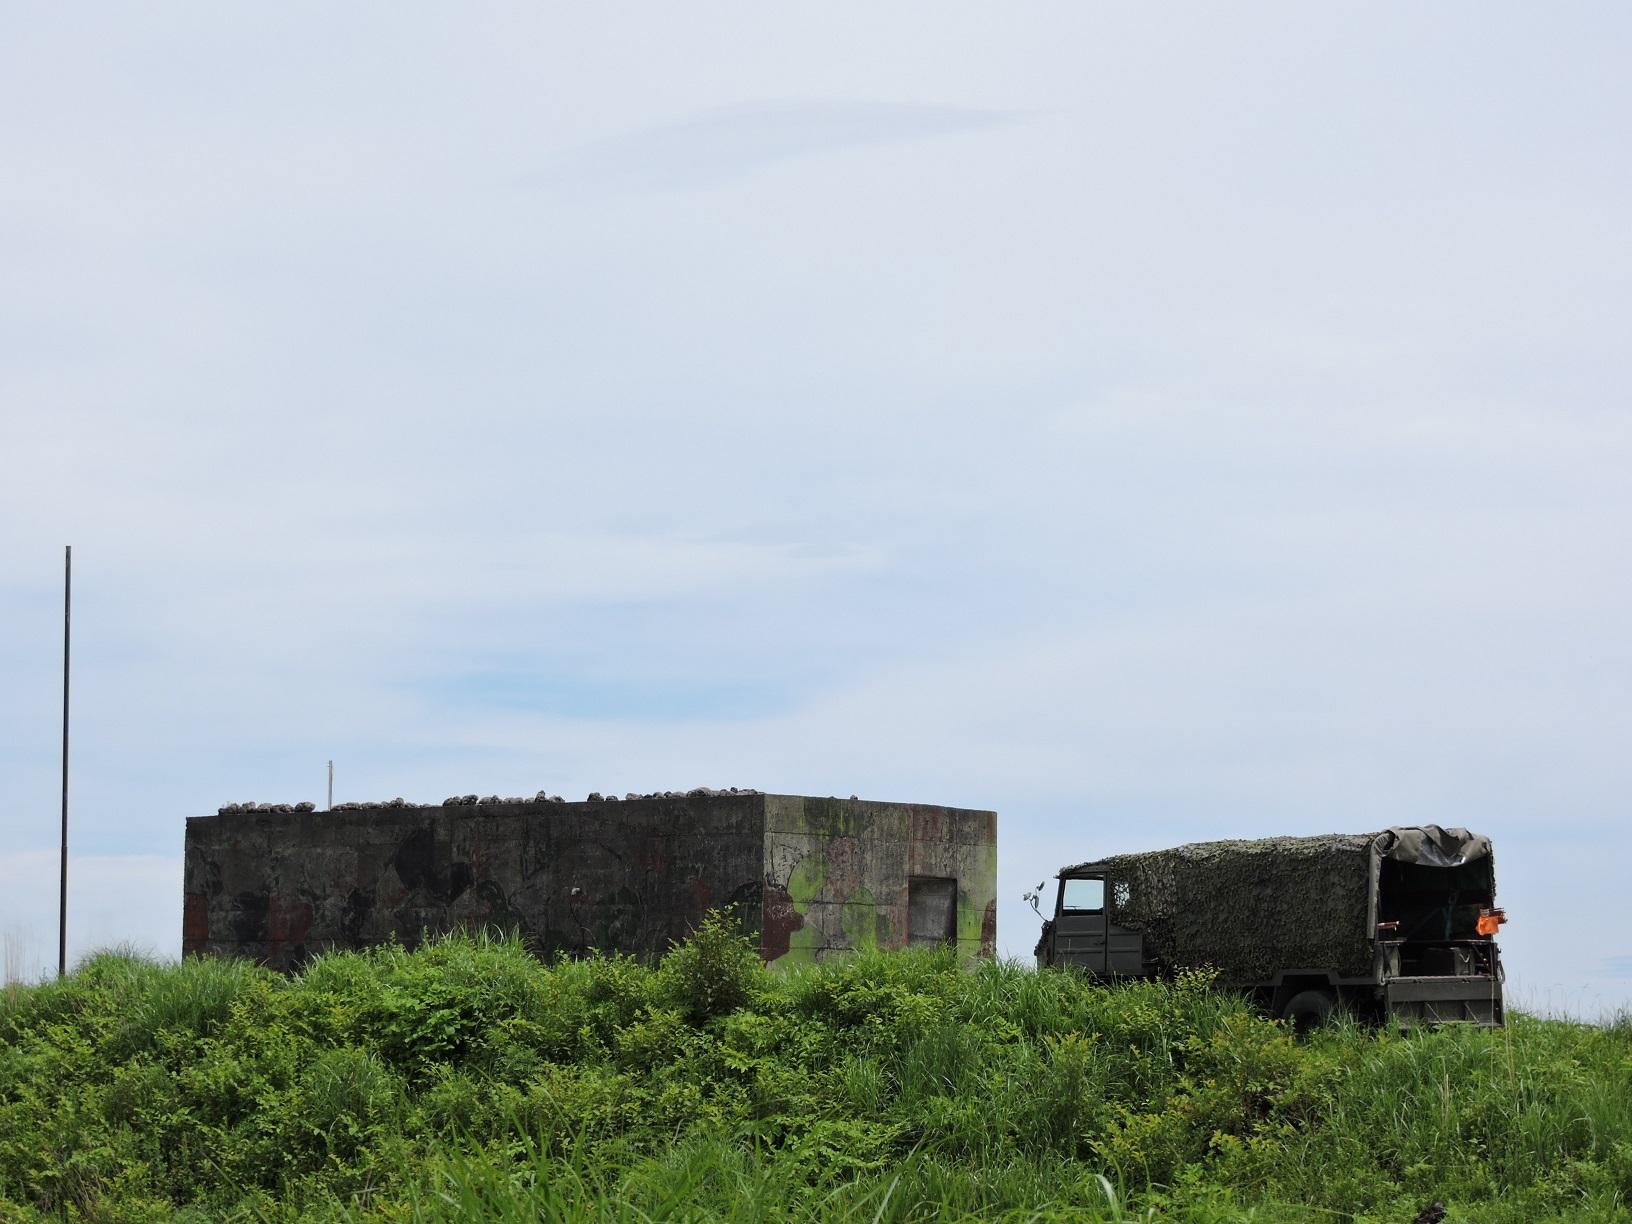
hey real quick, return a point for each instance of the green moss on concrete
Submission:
(859, 921)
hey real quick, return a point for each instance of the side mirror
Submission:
(1033, 895)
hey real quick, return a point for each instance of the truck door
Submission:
(1124, 944)
(1079, 924)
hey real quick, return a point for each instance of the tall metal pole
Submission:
(62, 898)
(331, 786)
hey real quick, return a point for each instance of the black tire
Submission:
(1308, 1010)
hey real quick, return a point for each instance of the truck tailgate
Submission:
(1473, 999)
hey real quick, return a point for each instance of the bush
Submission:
(712, 973)
(465, 1079)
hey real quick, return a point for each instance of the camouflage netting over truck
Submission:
(1252, 908)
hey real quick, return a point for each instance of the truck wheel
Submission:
(1308, 1010)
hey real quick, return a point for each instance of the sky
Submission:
(1153, 425)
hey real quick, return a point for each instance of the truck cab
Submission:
(1084, 933)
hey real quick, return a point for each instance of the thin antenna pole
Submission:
(62, 897)
(331, 786)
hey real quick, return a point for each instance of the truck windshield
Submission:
(1082, 895)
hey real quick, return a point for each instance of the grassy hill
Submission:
(465, 1080)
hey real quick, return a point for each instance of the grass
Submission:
(466, 1080)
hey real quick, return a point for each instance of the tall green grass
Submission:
(466, 1080)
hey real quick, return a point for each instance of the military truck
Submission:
(1397, 925)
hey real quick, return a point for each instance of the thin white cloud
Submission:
(728, 142)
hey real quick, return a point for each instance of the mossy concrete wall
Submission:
(808, 878)
(838, 874)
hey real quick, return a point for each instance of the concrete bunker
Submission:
(807, 878)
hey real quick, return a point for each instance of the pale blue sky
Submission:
(1149, 425)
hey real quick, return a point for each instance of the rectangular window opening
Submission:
(932, 911)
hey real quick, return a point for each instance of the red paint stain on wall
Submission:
(702, 896)
(845, 866)
(287, 924)
(195, 923)
(778, 921)
(928, 826)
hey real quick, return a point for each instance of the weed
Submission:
(465, 1079)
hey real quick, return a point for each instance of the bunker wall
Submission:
(628, 876)
(842, 875)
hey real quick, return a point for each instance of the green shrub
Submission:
(712, 973)
(466, 1079)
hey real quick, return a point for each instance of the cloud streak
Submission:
(730, 142)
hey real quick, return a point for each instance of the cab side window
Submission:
(1082, 896)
